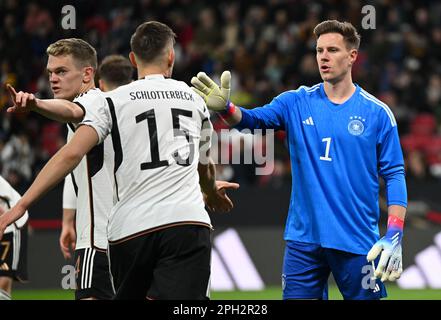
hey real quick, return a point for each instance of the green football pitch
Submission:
(271, 293)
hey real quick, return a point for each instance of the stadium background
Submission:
(269, 47)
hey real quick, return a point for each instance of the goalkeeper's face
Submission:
(65, 76)
(334, 58)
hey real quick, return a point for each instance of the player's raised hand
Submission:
(219, 200)
(23, 101)
(214, 96)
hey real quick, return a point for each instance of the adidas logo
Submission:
(231, 265)
(425, 272)
(308, 122)
(395, 239)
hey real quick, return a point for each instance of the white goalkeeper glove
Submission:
(390, 265)
(217, 98)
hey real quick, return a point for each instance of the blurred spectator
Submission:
(38, 20)
(17, 158)
(416, 165)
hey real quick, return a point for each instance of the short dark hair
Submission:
(151, 39)
(116, 70)
(346, 29)
(82, 52)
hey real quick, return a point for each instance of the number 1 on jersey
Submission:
(328, 146)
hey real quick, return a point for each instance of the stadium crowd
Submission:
(269, 47)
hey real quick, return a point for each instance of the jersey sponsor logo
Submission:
(308, 122)
(356, 126)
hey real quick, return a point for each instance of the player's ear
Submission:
(353, 56)
(132, 59)
(171, 57)
(89, 74)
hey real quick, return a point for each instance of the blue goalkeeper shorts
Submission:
(306, 269)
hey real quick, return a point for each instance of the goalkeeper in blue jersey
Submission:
(341, 139)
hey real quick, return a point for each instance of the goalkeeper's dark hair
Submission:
(152, 39)
(83, 53)
(116, 70)
(346, 29)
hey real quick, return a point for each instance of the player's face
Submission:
(334, 59)
(65, 77)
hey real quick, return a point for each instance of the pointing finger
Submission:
(11, 90)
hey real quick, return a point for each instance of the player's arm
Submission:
(68, 236)
(207, 177)
(391, 165)
(56, 109)
(217, 99)
(63, 162)
(214, 192)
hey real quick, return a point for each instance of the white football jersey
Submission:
(69, 194)
(93, 184)
(8, 198)
(155, 124)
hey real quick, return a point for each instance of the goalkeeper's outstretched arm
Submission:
(217, 98)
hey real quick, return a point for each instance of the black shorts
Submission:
(171, 263)
(13, 254)
(92, 275)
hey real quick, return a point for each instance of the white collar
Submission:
(154, 76)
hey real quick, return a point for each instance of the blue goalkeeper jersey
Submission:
(338, 152)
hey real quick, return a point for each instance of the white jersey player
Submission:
(13, 244)
(156, 124)
(93, 187)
